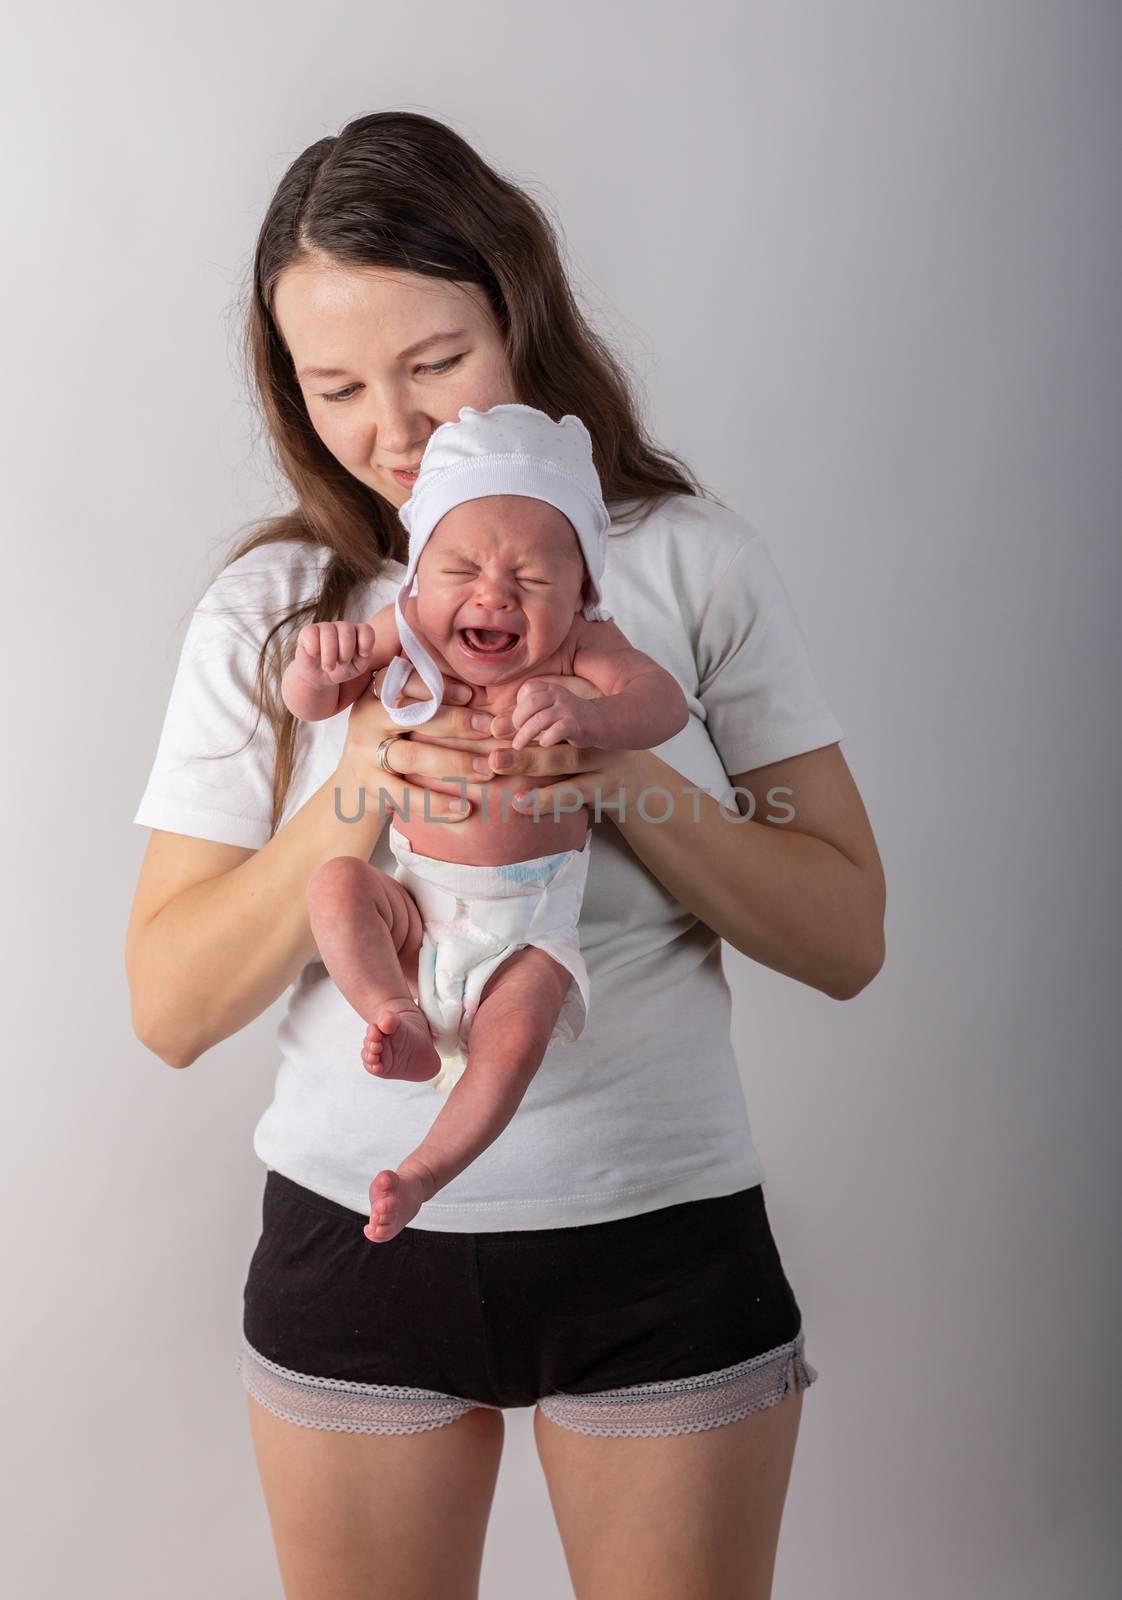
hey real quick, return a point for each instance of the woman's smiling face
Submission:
(377, 397)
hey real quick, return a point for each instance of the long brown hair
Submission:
(400, 190)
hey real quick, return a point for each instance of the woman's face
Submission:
(402, 354)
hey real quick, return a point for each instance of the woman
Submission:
(610, 1254)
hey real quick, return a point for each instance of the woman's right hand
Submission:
(417, 765)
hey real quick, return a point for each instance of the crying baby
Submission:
(465, 961)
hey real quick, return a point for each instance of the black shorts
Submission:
(670, 1321)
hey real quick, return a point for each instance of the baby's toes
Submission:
(383, 1205)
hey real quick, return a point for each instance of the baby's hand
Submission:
(552, 714)
(333, 652)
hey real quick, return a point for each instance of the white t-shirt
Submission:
(646, 1108)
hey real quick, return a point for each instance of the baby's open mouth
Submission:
(489, 641)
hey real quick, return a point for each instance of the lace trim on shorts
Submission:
(687, 1405)
(681, 1405)
(342, 1406)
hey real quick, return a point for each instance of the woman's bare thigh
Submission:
(693, 1514)
(359, 1515)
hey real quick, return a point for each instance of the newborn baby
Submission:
(465, 962)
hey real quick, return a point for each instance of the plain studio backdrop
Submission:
(863, 262)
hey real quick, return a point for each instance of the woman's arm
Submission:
(804, 896)
(217, 932)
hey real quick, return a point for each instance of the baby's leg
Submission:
(519, 1005)
(368, 931)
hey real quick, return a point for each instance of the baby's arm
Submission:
(334, 663)
(640, 704)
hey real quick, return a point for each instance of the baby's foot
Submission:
(396, 1198)
(398, 1044)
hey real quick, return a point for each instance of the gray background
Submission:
(864, 263)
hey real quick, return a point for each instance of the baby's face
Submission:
(510, 566)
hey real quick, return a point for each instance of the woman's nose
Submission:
(402, 431)
(404, 442)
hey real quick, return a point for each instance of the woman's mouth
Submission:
(488, 644)
(406, 476)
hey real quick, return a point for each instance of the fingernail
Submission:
(503, 760)
(481, 721)
(479, 764)
(459, 808)
(460, 693)
(521, 800)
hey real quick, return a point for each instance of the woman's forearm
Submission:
(222, 951)
(786, 899)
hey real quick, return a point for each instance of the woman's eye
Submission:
(434, 366)
(441, 366)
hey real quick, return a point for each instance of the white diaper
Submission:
(474, 918)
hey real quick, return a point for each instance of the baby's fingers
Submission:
(534, 693)
(328, 645)
(535, 726)
(345, 634)
(527, 706)
(307, 640)
(319, 641)
(562, 731)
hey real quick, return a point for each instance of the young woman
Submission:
(609, 1259)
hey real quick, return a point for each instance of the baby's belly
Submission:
(496, 832)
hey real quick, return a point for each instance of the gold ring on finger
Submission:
(382, 753)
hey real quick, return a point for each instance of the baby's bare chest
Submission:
(491, 699)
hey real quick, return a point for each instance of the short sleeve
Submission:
(762, 700)
(212, 711)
